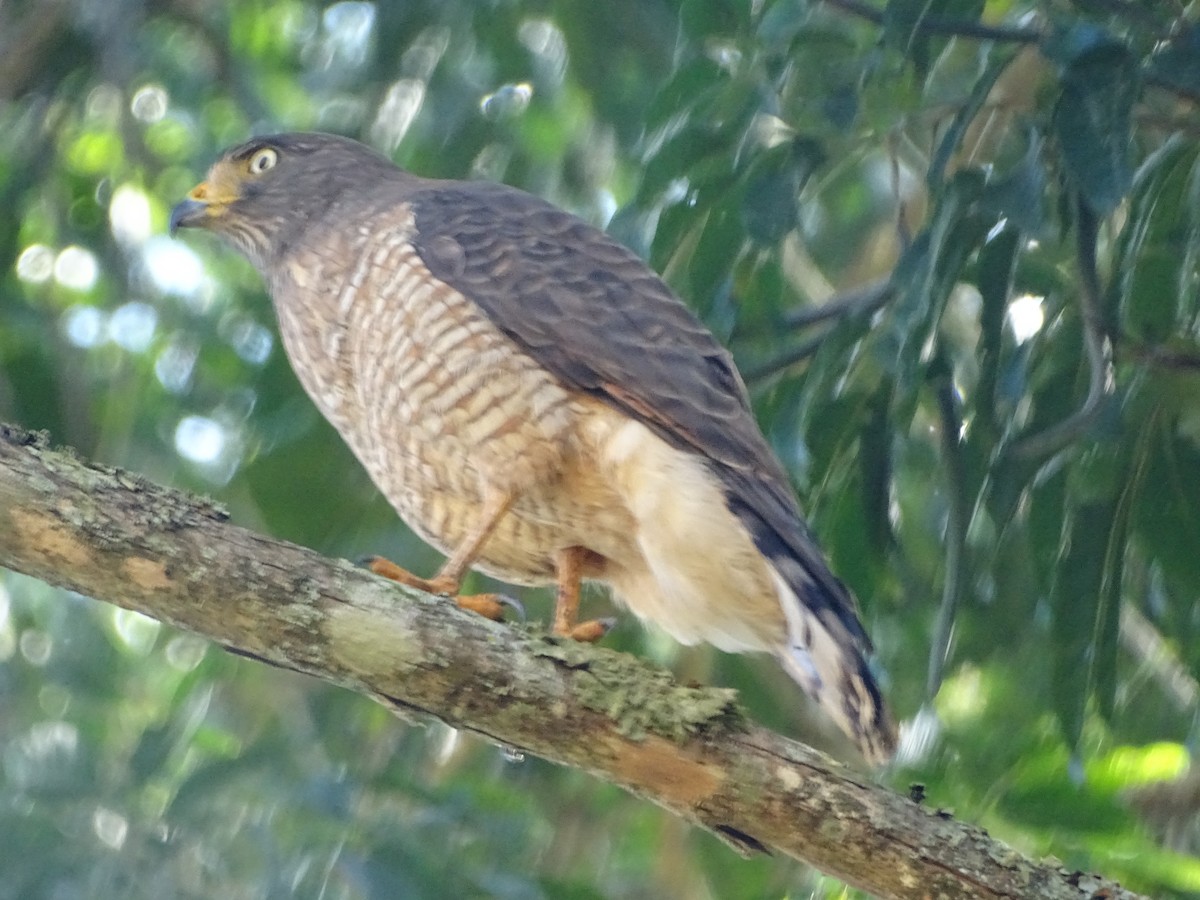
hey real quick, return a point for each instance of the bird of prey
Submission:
(535, 402)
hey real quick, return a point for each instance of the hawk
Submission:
(536, 403)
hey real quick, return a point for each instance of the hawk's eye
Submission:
(262, 160)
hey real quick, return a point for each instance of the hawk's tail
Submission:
(826, 655)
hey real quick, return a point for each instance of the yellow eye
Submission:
(262, 160)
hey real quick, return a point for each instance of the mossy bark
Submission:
(123, 540)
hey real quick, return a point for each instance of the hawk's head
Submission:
(259, 194)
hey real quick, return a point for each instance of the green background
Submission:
(763, 156)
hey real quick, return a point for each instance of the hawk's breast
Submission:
(439, 405)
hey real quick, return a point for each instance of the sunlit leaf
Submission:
(1126, 766)
(1041, 795)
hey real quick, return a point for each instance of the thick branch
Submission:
(121, 539)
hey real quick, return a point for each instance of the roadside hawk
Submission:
(536, 403)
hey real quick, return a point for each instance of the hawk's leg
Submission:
(450, 575)
(569, 563)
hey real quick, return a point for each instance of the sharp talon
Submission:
(490, 606)
(512, 603)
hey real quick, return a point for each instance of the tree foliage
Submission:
(953, 246)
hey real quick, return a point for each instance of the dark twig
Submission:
(956, 529)
(1161, 357)
(1159, 81)
(1100, 377)
(859, 301)
(755, 375)
(944, 26)
(854, 302)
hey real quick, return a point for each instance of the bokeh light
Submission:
(76, 269)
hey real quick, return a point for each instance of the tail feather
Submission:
(829, 661)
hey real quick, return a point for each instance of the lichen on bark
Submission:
(640, 697)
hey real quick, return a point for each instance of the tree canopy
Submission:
(953, 247)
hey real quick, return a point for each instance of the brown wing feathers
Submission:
(591, 312)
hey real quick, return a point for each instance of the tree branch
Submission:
(119, 538)
(856, 301)
(1013, 34)
(756, 374)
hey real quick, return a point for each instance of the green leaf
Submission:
(771, 199)
(152, 750)
(1020, 194)
(951, 140)
(1085, 607)
(902, 21)
(1177, 62)
(761, 293)
(822, 55)
(1158, 273)
(924, 277)
(875, 470)
(719, 246)
(718, 120)
(1168, 520)
(709, 18)
(687, 84)
(997, 266)
(682, 152)
(1093, 118)
(781, 22)
(1041, 794)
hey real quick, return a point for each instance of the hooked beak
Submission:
(204, 202)
(188, 214)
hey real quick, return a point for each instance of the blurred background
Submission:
(953, 246)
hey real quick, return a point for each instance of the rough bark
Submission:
(121, 539)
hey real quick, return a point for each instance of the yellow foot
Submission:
(589, 631)
(490, 606)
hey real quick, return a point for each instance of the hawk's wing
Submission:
(594, 314)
